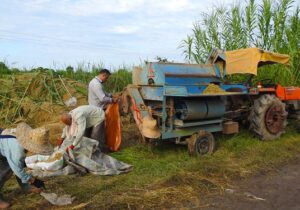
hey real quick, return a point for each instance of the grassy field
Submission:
(166, 176)
(163, 177)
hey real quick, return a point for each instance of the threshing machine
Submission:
(187, 103)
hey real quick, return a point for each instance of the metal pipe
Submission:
(171, 113)
(164, 115)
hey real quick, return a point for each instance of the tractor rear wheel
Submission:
(268, 117)
(201, 143)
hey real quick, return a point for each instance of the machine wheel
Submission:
(201, 143)
(268, 117)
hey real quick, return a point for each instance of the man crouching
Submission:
(84, 121)
(12, 157)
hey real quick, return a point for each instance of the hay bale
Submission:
(55, 130)
(40, 134)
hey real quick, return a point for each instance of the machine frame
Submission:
(173, 94)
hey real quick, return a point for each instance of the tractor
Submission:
(189, 103)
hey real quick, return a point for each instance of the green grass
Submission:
(118, 80)
(167, 176)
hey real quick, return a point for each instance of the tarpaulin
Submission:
(113, 127)
(58, 200)
(247, 60)
(85, 156)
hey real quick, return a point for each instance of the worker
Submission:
(96, 95)
(12, 160)
(83, 121)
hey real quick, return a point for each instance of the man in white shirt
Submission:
(97, 96)
(79, 120)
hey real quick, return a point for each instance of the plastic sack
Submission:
(44, 162)
(58, 200)
(71, 102)
(113, 127)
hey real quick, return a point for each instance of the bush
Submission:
(4, 69)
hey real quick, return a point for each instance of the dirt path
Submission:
(276, 190)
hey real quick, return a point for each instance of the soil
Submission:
(275, 190)
(130, 133)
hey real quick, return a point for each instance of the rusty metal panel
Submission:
(230, 127)
(154, 93)
(156, 72)
(215, 127)
(136, 76)
(175, 91)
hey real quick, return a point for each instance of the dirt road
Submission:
(276, 190)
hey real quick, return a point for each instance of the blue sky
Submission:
(56, 33)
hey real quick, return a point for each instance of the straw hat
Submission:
(149, 128)
(9, 131)
(34, 140)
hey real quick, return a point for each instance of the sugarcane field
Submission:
(150, 104)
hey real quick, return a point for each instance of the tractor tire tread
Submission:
(257, 117)
(193, 139)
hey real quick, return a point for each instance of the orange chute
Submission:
(113, 127)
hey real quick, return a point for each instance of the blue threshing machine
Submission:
(169, 102)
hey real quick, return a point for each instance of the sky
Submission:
(57, 33)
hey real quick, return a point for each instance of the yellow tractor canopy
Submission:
(247, 60)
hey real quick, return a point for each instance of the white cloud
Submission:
(172, 5)
(125, 29)
(97, 7)
(82, 7)
(117, 30)
(33, 5)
